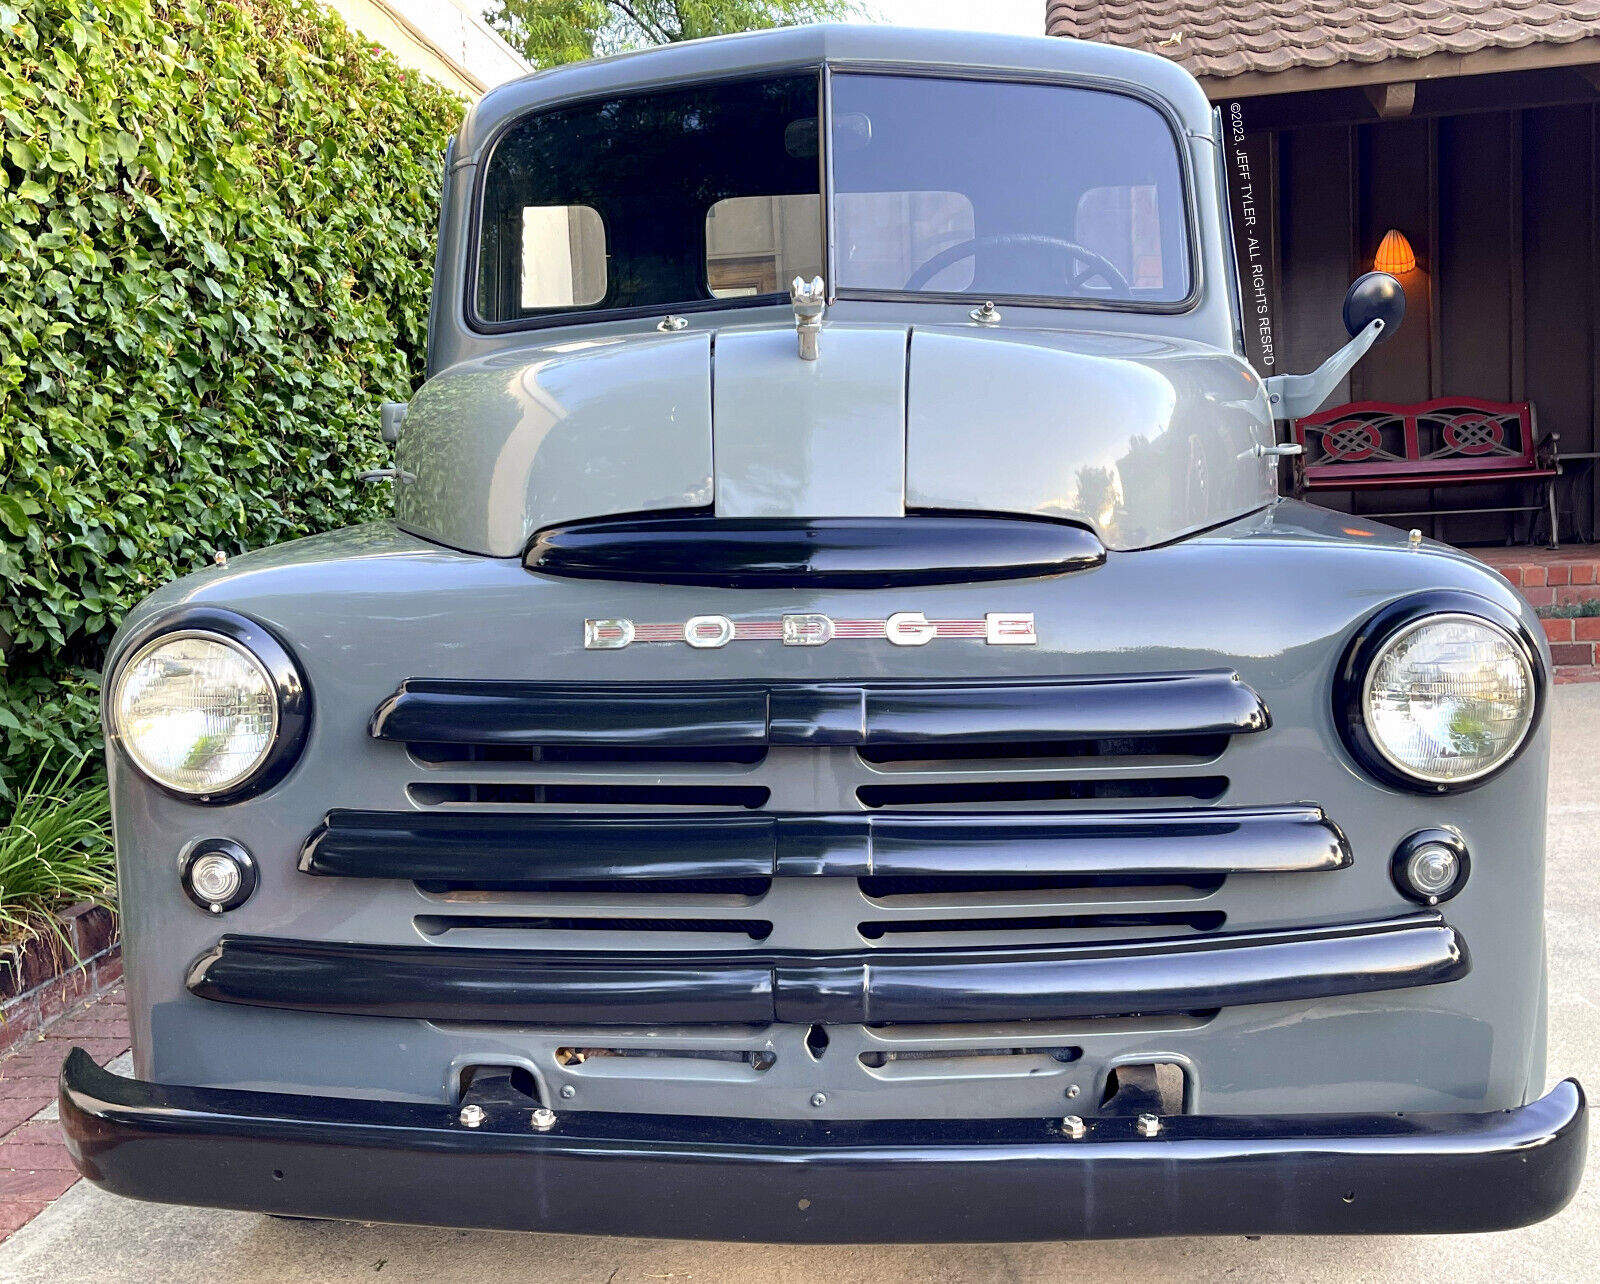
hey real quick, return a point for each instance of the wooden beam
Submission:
(1437, 66)
(1435, 277)
(1594, 320)
(1356, 154)
(1393, 100)
(1554, 87)
(1518, 270)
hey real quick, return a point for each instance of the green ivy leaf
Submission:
(12, 514)
(215, 258)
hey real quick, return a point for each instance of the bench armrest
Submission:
(1547, 452)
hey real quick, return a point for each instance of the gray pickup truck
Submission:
(842, 738)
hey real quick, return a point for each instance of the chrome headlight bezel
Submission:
(292, 697)
(1390, 625)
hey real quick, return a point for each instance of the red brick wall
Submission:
(1546, 584)
(1573, 646)
(44, 977)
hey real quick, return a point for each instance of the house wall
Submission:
(446, 40)
(1502, 208)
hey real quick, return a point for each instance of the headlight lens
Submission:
(196, 711)
(1448, 698)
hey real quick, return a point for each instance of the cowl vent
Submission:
(815, 552)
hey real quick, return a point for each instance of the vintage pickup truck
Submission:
(842, 738)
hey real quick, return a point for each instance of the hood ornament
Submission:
(809, 300)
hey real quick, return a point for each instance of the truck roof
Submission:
(857, 44)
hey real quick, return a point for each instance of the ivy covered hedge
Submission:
(216, 227)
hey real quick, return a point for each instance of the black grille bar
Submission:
(817, 713)
(512, 847)
(1051, 983)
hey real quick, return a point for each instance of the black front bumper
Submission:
(913, 1181)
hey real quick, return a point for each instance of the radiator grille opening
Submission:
(441, 925)
(890, 887)
(1123, 927)
(930, 755)
(1007, 1033)
(760, 1059)
(434, 752)
(439, 793)
(957, 793)
(877, 1060)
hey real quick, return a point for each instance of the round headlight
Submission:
(196, 711)
(1448, 698)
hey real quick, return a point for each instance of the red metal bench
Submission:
(1451, 441)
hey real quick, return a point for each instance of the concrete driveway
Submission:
(90, 1236)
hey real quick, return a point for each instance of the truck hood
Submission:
(1143, 439)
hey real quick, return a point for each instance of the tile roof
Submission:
(1222, 38)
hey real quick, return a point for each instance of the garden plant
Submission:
(216, 239)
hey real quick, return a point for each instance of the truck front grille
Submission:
(819, 818)
(927, 881)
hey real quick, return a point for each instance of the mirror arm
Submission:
(1295, 396)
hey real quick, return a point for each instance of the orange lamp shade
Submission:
(1395, 254)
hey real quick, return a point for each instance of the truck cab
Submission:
(842, 738)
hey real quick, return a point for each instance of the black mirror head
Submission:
(1377, 296)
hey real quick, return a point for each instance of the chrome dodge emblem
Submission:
(903, 628)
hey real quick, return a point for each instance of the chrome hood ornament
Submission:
(809, 300)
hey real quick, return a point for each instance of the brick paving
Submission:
(34, 1168)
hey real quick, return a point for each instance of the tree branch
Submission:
(653, 31)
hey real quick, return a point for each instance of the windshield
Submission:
(1001, 189)
(684, 197)
(653, 200)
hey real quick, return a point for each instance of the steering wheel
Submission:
(1097, 264)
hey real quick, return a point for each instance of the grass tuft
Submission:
(55, 850)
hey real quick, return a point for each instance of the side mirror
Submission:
(1377, 296)
(391, 415)
(1373, 307)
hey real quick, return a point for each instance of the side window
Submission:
(1124, 224)
(886, 237)
(758, 244)
(563, 256)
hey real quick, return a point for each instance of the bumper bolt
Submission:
(1148, 1125)
(1074, 1127)
(819, 1099)
(568, 1092)
(542, 1119)
(472, 1116)
(1073, 1091)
